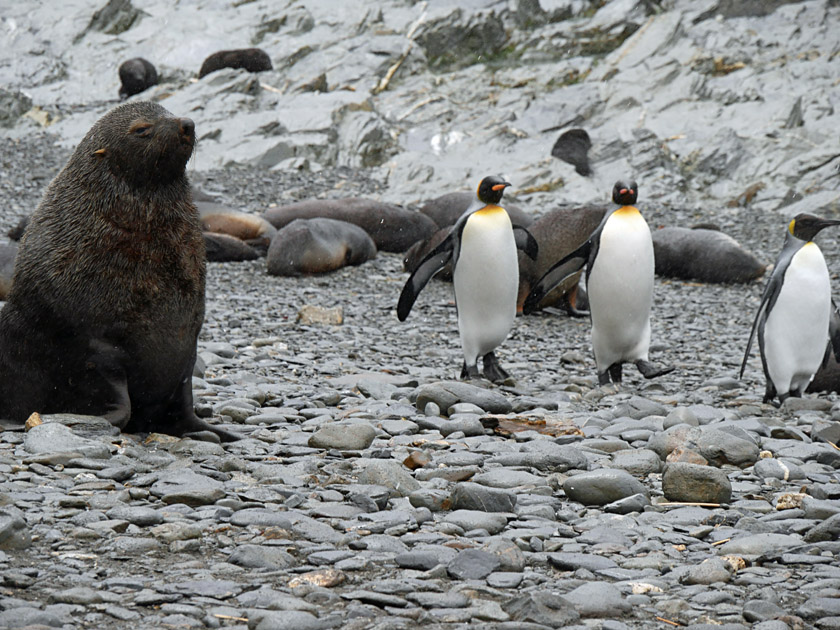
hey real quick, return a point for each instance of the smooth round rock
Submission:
(600, 487)
(343, 437)
(695, 484)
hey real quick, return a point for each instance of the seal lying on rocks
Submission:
(703, 254)
(250, 59)
(251, 228)
(558, 233)
(108, 293)
(136, 75)
(308, 246)
(392, 228)
(447, 209)
(227, 248)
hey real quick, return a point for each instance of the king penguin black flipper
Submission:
(481, 245)
(794, 317)
(619, 280)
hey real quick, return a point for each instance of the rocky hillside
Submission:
(712, 101)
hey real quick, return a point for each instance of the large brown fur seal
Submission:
(108, 293)
(558, 232)
(392, 228)
(704, 255)
(310, 246)
(250, 59)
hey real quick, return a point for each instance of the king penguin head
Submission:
(625, 192)
(806, 226)
(491, 189)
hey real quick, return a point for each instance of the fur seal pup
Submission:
(250, 59)
(796, 321)
(482, 249)
(8, 253)
(703, 254)
(136, 75)
(573, 148)
(319, 245)
(447, 209)
(392, 228)
(619, 282)
(558, 233)
(108, 293)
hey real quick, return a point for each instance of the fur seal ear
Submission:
(99, 152)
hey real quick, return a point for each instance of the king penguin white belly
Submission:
(796, 330)
(486, 280)
(620, 288)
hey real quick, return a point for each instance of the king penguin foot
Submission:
(649, 370)
(470, 372)
(493, 371)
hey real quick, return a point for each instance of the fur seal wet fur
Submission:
(136, 75)
(558, 233)
(250, 59)
(108, 293)
(392, 228)
(703, 254)
(319, 245)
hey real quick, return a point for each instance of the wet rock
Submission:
(388, 474)
(469, 520)
(541, 607)
(52, 437)
(472, 564)
(474, 496)
(829, 529)
(600, 487)
(445, 394)
(187, 487)
(695, 484)
(14, 532)
(597, 599)
(758, 544)
(260, 557)
(343, 437)
(710, 571)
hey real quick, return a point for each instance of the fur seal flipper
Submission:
(107, 298)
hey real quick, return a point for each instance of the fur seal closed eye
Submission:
(108, 293)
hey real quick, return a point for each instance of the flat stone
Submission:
(474, 496)
(52, 437)
(472, 564)
(343, 437)
(758, 544)
(597, 599)
(709, 571)
(600, 487)
(472, 519)
(389, 474)
(261, 557)
(445, 394)
(188, 487)
(541, 607)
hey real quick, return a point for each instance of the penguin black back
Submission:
(625, 192)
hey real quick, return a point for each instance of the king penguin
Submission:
(794, 320)
(619, 282)
(482, 247)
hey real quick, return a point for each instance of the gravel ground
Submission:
(539, 505)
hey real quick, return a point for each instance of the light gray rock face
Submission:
(343, 437)
(53, 437)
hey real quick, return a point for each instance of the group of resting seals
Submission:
(107, 297)
(139, 74)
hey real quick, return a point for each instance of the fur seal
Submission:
(227, 248)
(558, 233)
(705, 255)
(392, 228)
(136, 75)
(108, 293)
(251, 228)
(319, 245)
(573, 148)
(250, 59)
(447, 209)
(8, 253)
(16, 233)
